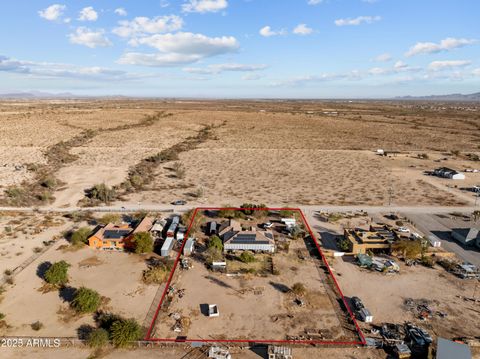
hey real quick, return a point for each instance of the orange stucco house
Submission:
(117, 237)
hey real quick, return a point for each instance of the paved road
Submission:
(428, 223)
(307, 209)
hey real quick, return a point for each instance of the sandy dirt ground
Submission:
(296, 177)
(28, 232)
(178, 353)
(274, 152)
(116, 276)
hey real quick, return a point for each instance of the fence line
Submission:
(26, 263)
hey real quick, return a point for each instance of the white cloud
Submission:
(121, 11)
(203, 6)
(357, 21)
(370, 1)
(179, 48)
(90, 38)
(476, 72)
(53, 12)
(400, 65)
(267, 31)
(302, 29)
(219, 68)
(447, 44)
(448, 64)
(164, 3)
(383, 57)
(314, 2)
(251, 77)
(59, 70)
(144, 25)
(88, 14)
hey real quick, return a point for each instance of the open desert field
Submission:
(277, 152)
(116, 276)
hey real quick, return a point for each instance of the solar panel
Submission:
(115, 234)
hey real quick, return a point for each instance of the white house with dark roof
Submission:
(236, 239)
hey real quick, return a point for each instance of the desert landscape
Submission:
(294, 152)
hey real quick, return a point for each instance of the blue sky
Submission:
(241, 48)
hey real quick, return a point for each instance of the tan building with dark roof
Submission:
(236, 239)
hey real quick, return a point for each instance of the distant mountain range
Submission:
(451, 97)
(474, 97)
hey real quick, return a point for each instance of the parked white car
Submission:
(403, 230)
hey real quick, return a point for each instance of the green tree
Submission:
(80, 236)
(142, 242)
(125, 331)
(57, 274)
(97, 338)
(86, 300)
(215, 242)
(247, 257)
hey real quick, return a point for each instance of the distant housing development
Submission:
(234, 238)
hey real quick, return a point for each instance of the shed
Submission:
(447, 349)
(180, 234)
(289, 222)
(212, 228)
(166, 247)
(189, 246)
(434, 241)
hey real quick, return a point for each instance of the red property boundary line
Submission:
(253, 341)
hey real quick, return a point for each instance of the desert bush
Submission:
(142, 242)
(37, 325)
(101, 192)
(98, 338)
(80, 236)
(8, 272)
(227, 213)
(178, 169)
(57, 274)
(110, 218)
(247, 257)
(14, 192)
(155, 275)
(408, 249)
(124, 331)
(49, 182)
(423, 156)
(299, 289)
(427, 261)
(86, 300)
